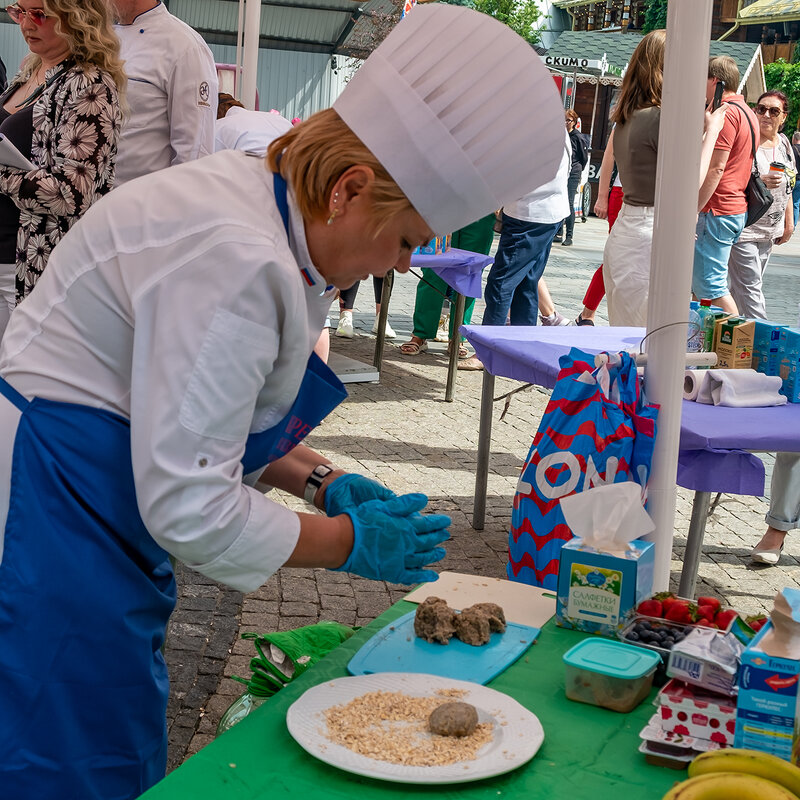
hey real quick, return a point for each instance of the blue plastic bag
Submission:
(596, 429)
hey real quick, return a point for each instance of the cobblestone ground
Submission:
(401, 431)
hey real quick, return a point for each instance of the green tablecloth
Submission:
(589, 753)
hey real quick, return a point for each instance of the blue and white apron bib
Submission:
(85, 597)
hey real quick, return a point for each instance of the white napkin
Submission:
(608, 518)
(783, 640)
(740, 388)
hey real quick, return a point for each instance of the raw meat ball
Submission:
(453, 719)
(472, 627)
(434, 620)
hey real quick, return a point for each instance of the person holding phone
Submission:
(776, 166)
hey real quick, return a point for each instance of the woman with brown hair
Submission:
(161, 377)
(626, 259)
(62, 111)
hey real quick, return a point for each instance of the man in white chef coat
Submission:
(238, 128)
(172, 90)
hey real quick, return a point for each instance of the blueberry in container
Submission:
(657, 635)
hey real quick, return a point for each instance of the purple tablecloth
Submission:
(460, 269)
(713, 439)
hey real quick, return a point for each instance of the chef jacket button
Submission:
(203, 462)
(141, 30)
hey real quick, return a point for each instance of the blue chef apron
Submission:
(85, 597)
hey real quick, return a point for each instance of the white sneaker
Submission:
(388, 333)
(345, 329)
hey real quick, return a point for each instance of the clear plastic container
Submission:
(610, 674)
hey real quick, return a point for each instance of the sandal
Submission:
(462, 350)
(414, 347)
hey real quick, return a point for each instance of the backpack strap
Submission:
(752, 132)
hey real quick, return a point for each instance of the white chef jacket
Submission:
(250, 131)
(549, 203)
(178, 303)
(172, 93)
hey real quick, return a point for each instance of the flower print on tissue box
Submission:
(606, 570)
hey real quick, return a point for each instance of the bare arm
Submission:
(604, 179)
(719, 158)
(323, 541)
(712, 126)
(291, 472)
(788, 224)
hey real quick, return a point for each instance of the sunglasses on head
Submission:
(35, 15)
(771, 110)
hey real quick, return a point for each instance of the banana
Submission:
(752, 762)
(728, 786)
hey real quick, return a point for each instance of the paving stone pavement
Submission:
(400, 431)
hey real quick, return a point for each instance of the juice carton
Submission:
(735, 345)
(718, 318)
(597, 590)
(789, 363)
(437, 245)
(769, 702)
(766, 346)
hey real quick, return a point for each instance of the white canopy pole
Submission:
(677, 186)
(252, 30)
(237, 81)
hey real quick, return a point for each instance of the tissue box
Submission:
(692, 711)
(597, 590)
(766, 347)
(735, 345)
(437, 245)
(769, 702)
(789, 363)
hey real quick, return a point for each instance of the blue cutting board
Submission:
(397, 648)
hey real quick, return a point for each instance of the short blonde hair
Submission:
(314, 154)
(87, 27)
(724, 69)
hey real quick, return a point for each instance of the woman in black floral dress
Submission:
(62, 110)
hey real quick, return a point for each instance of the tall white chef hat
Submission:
(460, 111)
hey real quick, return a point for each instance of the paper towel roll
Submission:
(691, 384)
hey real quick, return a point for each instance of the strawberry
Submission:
(706, 612)
(650, 608)
(681, 611)
(725, 617)
(705, 623)
(668, 602)
(709, 601)
(757, 622)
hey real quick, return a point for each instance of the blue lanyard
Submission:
(279, 186)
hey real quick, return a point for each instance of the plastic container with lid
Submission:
(610, 674)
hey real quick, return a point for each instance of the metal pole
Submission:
(252, 31)
(694, 543)
(677, 185)
(237, 80)
(386, 293)
(484, 451)
(455, 343)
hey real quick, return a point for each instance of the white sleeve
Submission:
(195, 382)
(192, 104)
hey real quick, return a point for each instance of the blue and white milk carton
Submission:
(789, 363)
(768, 707)
(766, 347)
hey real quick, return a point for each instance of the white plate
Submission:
(516, 737)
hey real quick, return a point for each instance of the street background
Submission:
(401, 432)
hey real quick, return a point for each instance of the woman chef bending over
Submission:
(164, 362)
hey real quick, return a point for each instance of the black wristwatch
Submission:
(315, 479)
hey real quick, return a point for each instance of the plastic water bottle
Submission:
(706, 335)
(694, 343)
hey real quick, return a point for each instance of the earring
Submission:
(335, 210)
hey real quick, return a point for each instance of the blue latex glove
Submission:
(392, 541)
(350, 491)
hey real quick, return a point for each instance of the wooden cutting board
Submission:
(526, 605)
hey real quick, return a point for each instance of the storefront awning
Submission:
(581, 52)
(762, 11)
